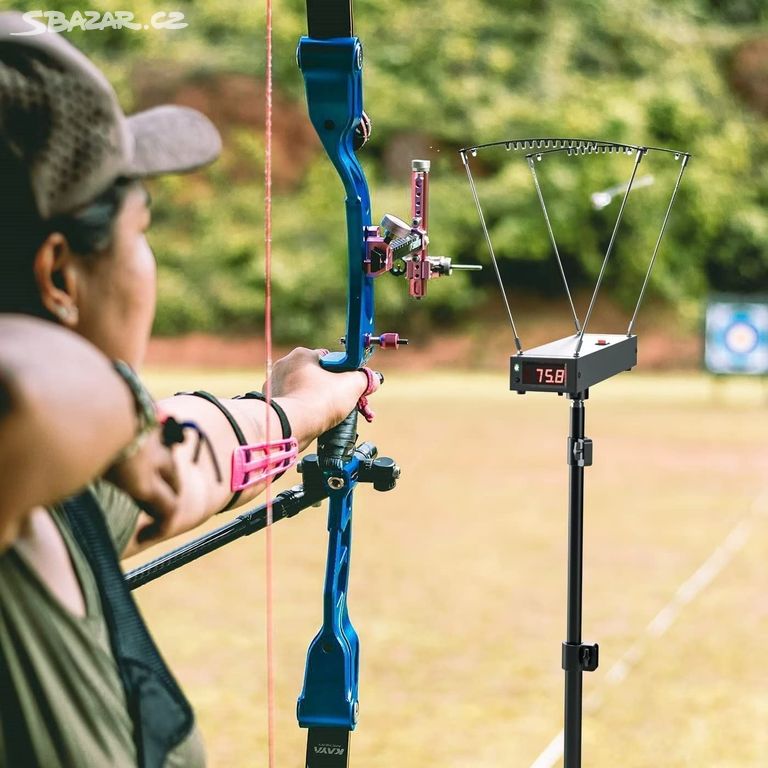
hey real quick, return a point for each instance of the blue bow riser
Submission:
(329, 697)
(332, 72)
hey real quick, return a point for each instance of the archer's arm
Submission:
(64, 415)
(313, 399)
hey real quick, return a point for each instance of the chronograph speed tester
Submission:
(556, 367)
(570, 366)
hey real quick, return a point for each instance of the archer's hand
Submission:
(150, 477)
(314, 399)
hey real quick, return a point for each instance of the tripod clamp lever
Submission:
(579, 452)
(580, 656)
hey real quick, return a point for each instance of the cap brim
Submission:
(171, 139)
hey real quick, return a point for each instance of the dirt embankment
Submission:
(664, 344)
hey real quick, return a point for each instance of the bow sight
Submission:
(330, 58)
(403, 249)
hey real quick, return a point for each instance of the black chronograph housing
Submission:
(555, 367)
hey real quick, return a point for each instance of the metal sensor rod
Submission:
(518, 345)
(532, 166)
(683, 165)
(609, 250)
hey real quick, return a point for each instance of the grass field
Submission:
(458, 583)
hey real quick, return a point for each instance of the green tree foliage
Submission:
(445, 74)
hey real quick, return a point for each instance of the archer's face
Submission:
(116, 289)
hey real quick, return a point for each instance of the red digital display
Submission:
(546, 375)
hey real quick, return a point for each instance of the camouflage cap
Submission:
(61, 121)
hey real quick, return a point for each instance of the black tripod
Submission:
(578, 657)
(571, 365)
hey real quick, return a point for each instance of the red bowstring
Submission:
(268, 388)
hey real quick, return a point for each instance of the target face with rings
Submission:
(736, 336)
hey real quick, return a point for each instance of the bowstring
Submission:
(268, 388)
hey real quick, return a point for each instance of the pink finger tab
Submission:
(373, 384)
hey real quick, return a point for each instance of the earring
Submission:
(66, 314)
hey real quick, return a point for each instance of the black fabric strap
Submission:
(230, 418)
(17, 743)
(161, 714)
(329, 18)
(235, 428)
(285, 425)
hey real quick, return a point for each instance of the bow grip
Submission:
(336, 447)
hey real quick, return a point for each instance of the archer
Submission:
(82, 683)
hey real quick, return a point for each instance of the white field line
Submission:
(688, 591)
(551, 754)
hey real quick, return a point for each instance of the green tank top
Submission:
(60, 675)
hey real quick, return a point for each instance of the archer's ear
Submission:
(56, 273)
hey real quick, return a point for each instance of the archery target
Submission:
(736, 337)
